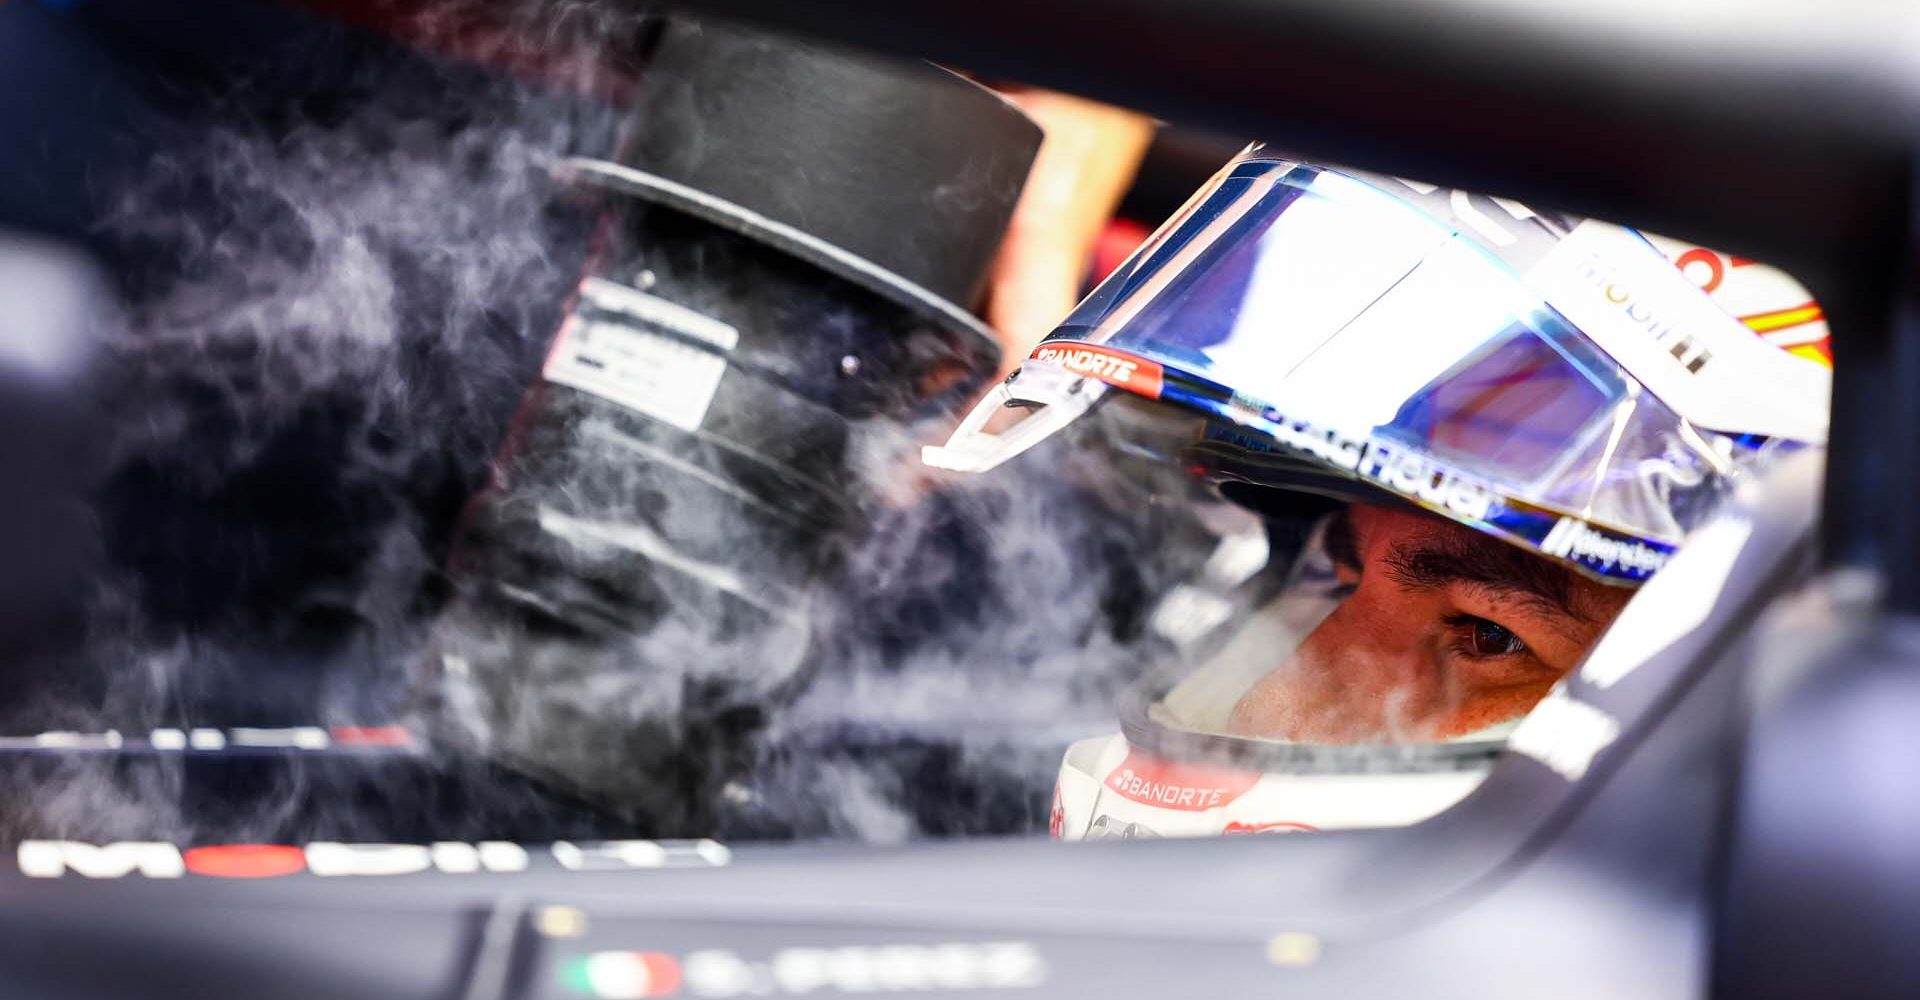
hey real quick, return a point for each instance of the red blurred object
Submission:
(1121, 238)
(245, 860)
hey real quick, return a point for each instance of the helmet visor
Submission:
(1332, 327)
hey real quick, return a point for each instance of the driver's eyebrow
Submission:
(1449, 557)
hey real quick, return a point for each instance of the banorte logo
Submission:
(1151, 781)
(1115, 368)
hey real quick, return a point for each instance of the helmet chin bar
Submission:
(1053, 398)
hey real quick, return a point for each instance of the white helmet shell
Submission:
(1108, 788)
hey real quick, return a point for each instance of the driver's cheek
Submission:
(1472, 705)
(1370, 671)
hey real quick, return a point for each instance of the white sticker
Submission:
(614, 348)
(1187, 614)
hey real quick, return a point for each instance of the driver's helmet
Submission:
(1299, 344)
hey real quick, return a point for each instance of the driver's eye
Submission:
(1485, 638)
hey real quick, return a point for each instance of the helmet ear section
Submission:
(1289, 516)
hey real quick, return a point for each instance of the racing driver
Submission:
(1412, 450)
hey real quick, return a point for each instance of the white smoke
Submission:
(317, 381)
(338, 316)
